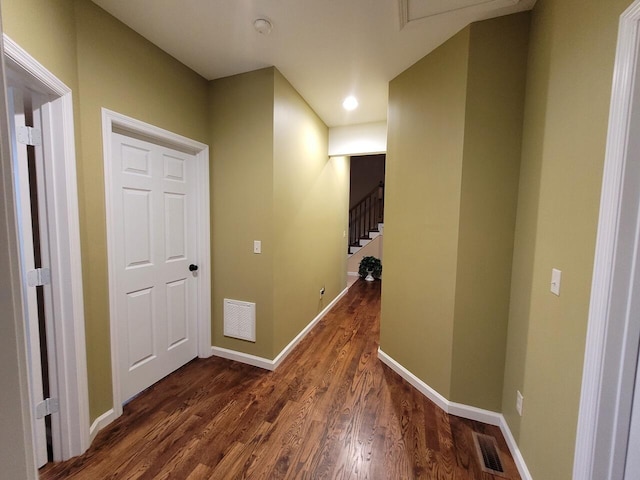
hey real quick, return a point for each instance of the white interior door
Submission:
(20, 136)
(153, 190)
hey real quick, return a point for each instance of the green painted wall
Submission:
(455, 125)
(241, 112)
(16, 444)
(569, 79)
(106, 64)
(311, 204)
(272, 180)
(422, 207)
(568, 84)
(121, 71)
(46, 29)
(489, 192)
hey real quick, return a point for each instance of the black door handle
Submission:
(193, 268)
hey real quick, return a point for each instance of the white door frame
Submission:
(18, 109)
(614, 327)
(110, 121)
(64, 244)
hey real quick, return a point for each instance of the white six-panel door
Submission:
(154, 211)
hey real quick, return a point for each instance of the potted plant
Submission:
(370, 268)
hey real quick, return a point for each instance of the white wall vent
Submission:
(240, 320)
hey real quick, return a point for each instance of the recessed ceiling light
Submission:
(350, 103)
(262, 26)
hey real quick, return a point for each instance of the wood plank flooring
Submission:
(332, 410)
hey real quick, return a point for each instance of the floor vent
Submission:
(488, 454)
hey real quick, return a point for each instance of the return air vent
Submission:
(240, 320)
(488, 454)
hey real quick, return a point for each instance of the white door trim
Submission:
(613, 329)
(64, 238)
(111, 120)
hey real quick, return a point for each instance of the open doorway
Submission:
(43, 156)
(366, 211)
(25, 125)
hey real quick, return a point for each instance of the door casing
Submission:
(123, 124)
(22, 104)
(613, 331)
(64, 245)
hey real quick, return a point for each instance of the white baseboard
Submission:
(243, 358)
(418, 384)
(461, 410)
(293, 343)
(515, 450)
(110, 415)
(266, 363)
(473, 413)
(353, 274)
(99, 423)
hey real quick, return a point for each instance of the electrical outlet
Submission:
(519, 400)
(321, 292)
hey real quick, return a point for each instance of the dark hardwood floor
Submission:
(332, 410)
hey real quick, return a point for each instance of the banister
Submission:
(365, 215)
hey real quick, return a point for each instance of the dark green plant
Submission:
(370, 264)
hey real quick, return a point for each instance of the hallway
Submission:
(331, 410)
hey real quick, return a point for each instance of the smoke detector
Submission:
(262, 26)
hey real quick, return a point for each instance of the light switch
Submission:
(257, 246)
(556, 276)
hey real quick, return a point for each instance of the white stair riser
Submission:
(372, 235)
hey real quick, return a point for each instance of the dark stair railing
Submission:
(365, 215)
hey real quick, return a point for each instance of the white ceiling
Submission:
(327, 49)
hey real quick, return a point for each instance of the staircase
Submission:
(363, 242)
(366, 219)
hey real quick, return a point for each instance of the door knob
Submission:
(193, 268)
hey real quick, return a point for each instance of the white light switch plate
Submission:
(556, 277)
(257, 246)
(519, 402)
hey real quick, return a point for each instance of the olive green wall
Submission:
(568, 84)
(491, 160)
(272, 180)
(16, 443)
(47, 30)
(16, 452)
(241, 139)
(455, 129)
(422, 207)
(108, 65)
(311, 204)
(121, 71)
(105, 64)
(569, 79)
